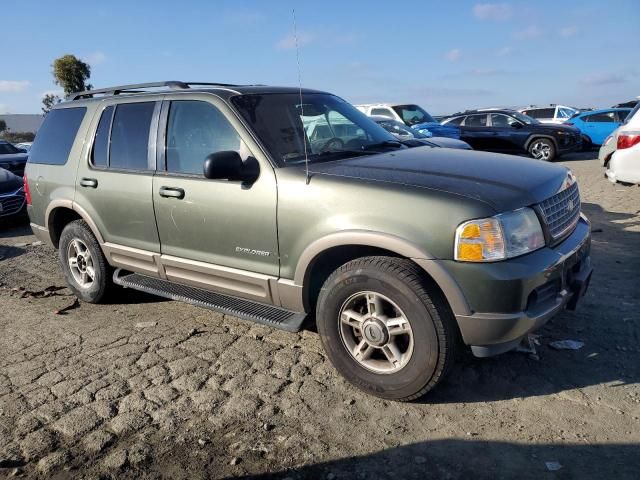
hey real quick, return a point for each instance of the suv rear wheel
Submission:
(84, 267)
(384, 329)
(542, 149)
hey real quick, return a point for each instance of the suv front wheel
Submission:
(542, 149)
(384, 328)
(84, 267)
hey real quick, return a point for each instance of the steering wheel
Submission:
(331, 144)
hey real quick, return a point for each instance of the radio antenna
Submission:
(304, 139)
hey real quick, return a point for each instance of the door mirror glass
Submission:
(226, 164)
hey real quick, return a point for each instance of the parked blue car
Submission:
(597, 125)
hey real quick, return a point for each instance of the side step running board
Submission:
(239, 307)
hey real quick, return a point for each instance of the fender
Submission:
(389, 242)
(533, 136)
(71, 205)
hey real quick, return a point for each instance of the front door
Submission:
(216, 234)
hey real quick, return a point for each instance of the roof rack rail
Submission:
(141, 88)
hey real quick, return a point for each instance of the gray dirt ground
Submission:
(100, 392)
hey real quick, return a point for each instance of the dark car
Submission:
(413, 138)
(12, 158)
(508, 131)
(12, 200)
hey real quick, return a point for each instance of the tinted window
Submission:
(100, 154)
(7, 149)
(130, 136)
(196, 130)
(600, 117)
(501, 120)
(622, 115)
(541, 112)
(382, 111)
(455, 121)
(476, 121)
(56, 135)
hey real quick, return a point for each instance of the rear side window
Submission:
(130, 136)
(56, 136)
(476, 121)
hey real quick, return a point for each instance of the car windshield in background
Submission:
(524, 118)
(398, 128)
(7, 149)
(326, 125)
(413, 114)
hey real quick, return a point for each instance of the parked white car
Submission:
(624, 165)
(551, 114)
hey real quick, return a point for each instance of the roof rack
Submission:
(141, 88)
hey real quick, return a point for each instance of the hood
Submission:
(557, 127)
(438, 130)
(8, 181)
(505, 182)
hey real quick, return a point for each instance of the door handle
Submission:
(172, 192)
(89, 182)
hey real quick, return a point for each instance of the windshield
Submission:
(524, 118)
(6, 149)
(413, 114)
(400, 130)
(326, 125)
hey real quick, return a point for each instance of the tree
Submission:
(48, 101)
(3, 125)
(71, 74)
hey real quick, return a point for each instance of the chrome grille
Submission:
(561, 212)
(11, 204)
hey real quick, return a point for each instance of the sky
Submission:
(446, 55)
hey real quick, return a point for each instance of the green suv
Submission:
(278, 204)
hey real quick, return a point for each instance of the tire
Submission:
(400, 286)
(77, 238)
(542, 149)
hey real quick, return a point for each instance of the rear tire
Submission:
(385, 329)
(542, 149)
(85, 269)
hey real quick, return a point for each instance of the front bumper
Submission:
(509, 299)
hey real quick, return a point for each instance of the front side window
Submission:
(323, 127)
(385, 112)
(195, 130)
(55, 137)
(130, 136)
(502, 120)
(476, 121)
(413, 114)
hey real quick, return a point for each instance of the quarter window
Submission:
(55, 138)
(130, 136)
(195, 130)
(100, 154)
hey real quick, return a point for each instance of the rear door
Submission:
(114, 182)
(599, 126)
(215, 234)
(476, 132)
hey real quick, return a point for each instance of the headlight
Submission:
(500, 237)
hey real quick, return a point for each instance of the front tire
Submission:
(385, 329)
(83, 264)
(542, 149)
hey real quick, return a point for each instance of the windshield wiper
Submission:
(386, 143)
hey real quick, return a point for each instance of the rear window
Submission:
(56, 135)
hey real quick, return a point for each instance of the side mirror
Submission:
(223, 165)
(517, 125)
